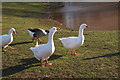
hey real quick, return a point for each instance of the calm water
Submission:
(99, 16)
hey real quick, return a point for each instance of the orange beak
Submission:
(57, 28)
(87, 26)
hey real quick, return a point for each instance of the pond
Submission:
(99, 16)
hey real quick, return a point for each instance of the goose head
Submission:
(82, 26)
(54, 29)
(12, 30)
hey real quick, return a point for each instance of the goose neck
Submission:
(10, 33)
(81, 32)
(50, 37)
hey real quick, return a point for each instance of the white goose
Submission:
(44, 51)
(74, 42)
(7, 39)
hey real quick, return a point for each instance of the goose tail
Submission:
(30, 33)
(60, 38)
(33, 50)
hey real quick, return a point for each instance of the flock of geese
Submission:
(42, 52)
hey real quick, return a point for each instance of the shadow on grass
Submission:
(34, 60)
(107, 55)
(27, 63)
(21, 43)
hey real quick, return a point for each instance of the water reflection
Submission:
(101, 16)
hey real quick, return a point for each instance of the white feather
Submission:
(7, 39)
(74, 42)
(44, 51)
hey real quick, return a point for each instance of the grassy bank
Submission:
(98, 56)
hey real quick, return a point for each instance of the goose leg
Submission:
(74, 53)
(39, 40)
(41, 64)
(33, 39)
(47, 63)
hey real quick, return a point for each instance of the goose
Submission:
(72, 43)
(7, 39)
(44, 51)
(36, 33)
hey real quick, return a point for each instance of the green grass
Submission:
(98, 56)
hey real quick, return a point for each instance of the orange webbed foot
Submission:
(42, 64)
(11, 48)
(76, 54)
(48, 64)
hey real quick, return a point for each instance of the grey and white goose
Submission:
(36, 33)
